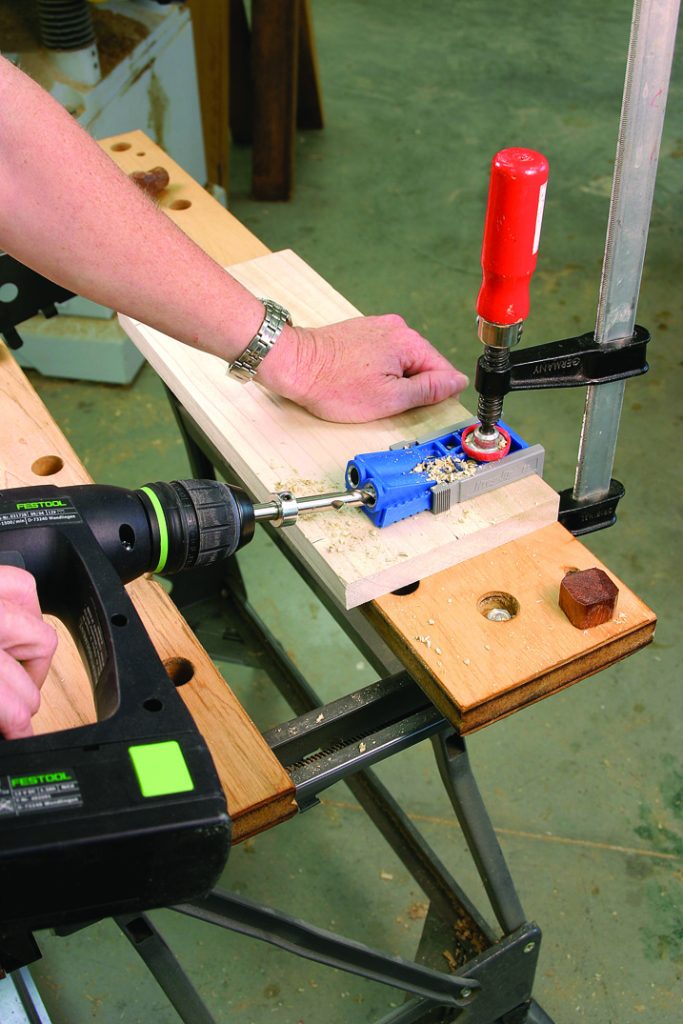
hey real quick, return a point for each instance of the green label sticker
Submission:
(161, 768)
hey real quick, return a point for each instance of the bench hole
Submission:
(152, 704)
(180, 204)
(47, 465)
(120, 147)
(119, 619)
(409, 588)
(179, 670)
(498, 606)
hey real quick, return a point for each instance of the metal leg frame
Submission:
(468, 996)
(162, 964)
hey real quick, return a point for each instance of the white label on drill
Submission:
(39, 791)
(92, 639)
(539, 218)
(37, 513)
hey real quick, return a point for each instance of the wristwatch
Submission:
(245, 366)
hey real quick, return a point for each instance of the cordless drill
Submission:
(128, 812)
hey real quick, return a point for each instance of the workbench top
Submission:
(475, 670)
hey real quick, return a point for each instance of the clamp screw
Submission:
(465, 993)
(499, 615)
(530, 946)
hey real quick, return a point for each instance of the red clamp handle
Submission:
(511, 234)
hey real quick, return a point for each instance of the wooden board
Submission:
(273, 445)
(477, 670)
(258, 790)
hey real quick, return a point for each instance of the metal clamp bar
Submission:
(648, 69)
(340, 738)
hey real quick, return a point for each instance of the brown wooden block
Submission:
(153, 182)
(588, 598)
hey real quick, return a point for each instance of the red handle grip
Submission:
(511, 234)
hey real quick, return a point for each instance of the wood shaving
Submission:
(426, 640)
(430, 622)
(450, 960)
(320, 717)
(362, 748)
(447, 469)
(386, 876)
(466, 661)
(437, 650)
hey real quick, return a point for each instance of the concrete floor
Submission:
(585, 789)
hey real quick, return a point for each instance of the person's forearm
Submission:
(67, 211)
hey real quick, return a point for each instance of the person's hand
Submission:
(359, 370)
(27, 644)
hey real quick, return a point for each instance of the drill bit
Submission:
(284, 508)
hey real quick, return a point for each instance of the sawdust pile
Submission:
(447, 469)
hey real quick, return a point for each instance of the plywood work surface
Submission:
(33, 451)
(477, 670)
(274, 445)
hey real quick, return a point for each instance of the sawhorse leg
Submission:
(162, 964)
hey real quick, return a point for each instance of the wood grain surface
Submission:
(273, 445)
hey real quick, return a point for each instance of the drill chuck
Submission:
(196, 522)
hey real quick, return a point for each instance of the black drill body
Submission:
(127, 812)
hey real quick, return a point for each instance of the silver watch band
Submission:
(245, 366)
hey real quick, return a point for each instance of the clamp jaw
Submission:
(570, 363)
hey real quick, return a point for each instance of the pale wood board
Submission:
(258, 790)
(272, 445)
(477, 670)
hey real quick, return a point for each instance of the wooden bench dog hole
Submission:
(47, 465)
(498, 607)
(179, 670)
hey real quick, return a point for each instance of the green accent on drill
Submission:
(163, 529)
(161, 768)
